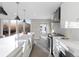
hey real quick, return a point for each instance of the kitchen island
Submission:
(9, 46)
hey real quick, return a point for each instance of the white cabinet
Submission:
(56, 18)
(69, 12)
(58, 47)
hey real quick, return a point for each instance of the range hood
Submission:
(2, 11)
(57, 16)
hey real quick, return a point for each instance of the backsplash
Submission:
(72, 34)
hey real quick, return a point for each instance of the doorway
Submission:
(43, 31)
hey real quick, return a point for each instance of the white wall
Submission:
(35, 26)
(70, 12)
(57, 28)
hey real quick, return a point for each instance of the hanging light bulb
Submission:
(24, 16)
(24, 21)
(17, 17)
(2, 11)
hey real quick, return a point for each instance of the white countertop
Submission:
(7, 45)
(71, 45)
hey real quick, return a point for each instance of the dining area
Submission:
(16, 40)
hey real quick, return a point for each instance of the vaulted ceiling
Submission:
(34, 10)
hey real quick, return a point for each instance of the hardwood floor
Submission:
(38, 52)
(40, 49)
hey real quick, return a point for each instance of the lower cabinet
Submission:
(58, 49)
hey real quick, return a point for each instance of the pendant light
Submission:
(17, 17)
(2, 11)
(24, 16)
(24, 21)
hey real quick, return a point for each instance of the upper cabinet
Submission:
(57, 13)
(70, 15)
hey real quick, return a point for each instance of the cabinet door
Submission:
(57, 15)
(69, 13)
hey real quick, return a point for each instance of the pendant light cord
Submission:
(17, 7)
(24, 15)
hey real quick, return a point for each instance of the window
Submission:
(43, 28)
(26, 25)
(13, 27)
(5, 27)
(20, 26)
(28, 21)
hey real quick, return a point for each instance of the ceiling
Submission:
(34, 10)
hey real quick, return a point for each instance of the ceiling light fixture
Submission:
(17, 17)
(24, 16)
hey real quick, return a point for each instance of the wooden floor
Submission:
(38, 52)
(40, 49)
